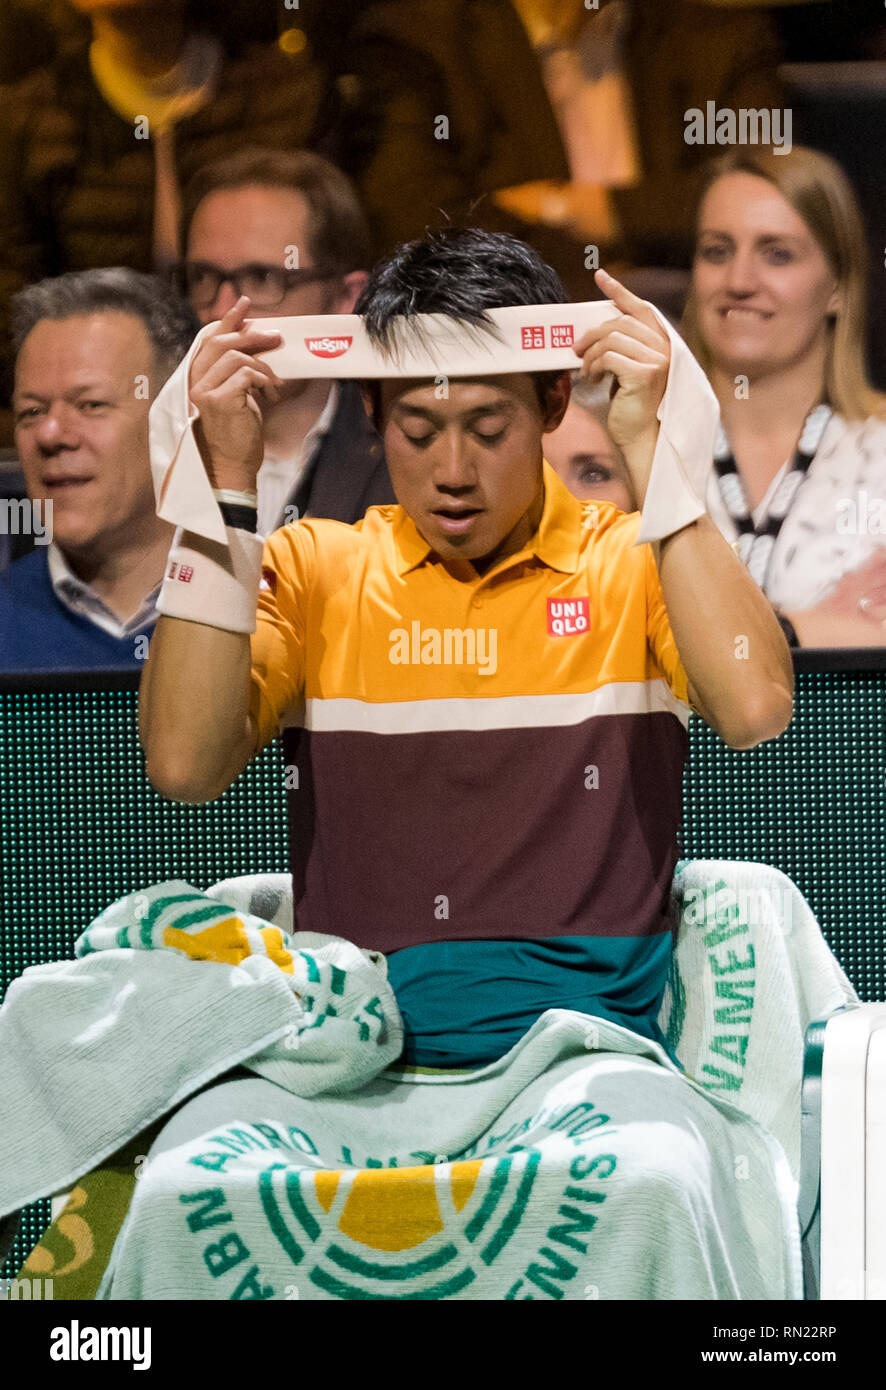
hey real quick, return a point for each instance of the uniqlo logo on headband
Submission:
(562, 334)
(328, 347)
(532, 337)
(567, 617)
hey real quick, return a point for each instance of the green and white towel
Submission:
(96, 1049)
(583, 1164)
(751, 969)
(580, 1166)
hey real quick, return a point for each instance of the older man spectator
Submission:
(93, 348)
(287, 230)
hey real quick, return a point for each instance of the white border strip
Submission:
(491, 712)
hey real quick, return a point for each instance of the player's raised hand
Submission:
(226, 383)
(636, 349)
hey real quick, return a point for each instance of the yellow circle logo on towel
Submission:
(399, 1233)
(396, 1208)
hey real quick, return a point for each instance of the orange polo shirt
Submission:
(487, 766)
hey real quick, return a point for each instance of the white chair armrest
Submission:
(852, 1052)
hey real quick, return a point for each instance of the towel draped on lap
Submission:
(556, 1173)
(583, 1164)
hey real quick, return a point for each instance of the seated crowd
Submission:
(775, 314)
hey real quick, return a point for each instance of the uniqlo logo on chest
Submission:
(568, 616)
(532, 337)
(562, 335)
(185, 572)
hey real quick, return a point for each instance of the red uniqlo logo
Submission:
(186, 573)
(532, 337)
(568, 616)
(562, 334)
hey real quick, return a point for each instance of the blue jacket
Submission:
(39, 633)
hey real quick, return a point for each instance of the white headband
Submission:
(532, 339)
(536, 338)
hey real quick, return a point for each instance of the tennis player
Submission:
(483, 690)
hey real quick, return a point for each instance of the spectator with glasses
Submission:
(287, 231)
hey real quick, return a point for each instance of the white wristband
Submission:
(240, 499)
(207, 582)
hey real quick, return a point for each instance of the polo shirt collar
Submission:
(556, 543)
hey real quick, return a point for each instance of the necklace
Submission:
(756, 544)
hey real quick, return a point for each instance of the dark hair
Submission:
(461, 272)
(169, 321)
(339, 235)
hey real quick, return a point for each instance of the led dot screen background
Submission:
(80, 825)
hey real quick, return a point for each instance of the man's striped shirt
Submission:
(488, 770)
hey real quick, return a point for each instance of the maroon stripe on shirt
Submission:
(397, 839)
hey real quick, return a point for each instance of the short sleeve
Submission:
(659, 634)
(277, 645)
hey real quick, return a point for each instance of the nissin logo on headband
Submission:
(328, 347)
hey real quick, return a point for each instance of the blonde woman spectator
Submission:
(776, 315)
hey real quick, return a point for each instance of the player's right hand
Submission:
(226, 382)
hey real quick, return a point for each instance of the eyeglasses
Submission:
(266, 285)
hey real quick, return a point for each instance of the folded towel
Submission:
(97, 1048)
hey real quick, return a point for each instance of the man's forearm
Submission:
(193, 703)
(730, 642)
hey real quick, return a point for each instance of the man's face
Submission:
(258, 225)
(81, 426)
(465, 459)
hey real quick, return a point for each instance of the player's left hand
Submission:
(635, 348)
